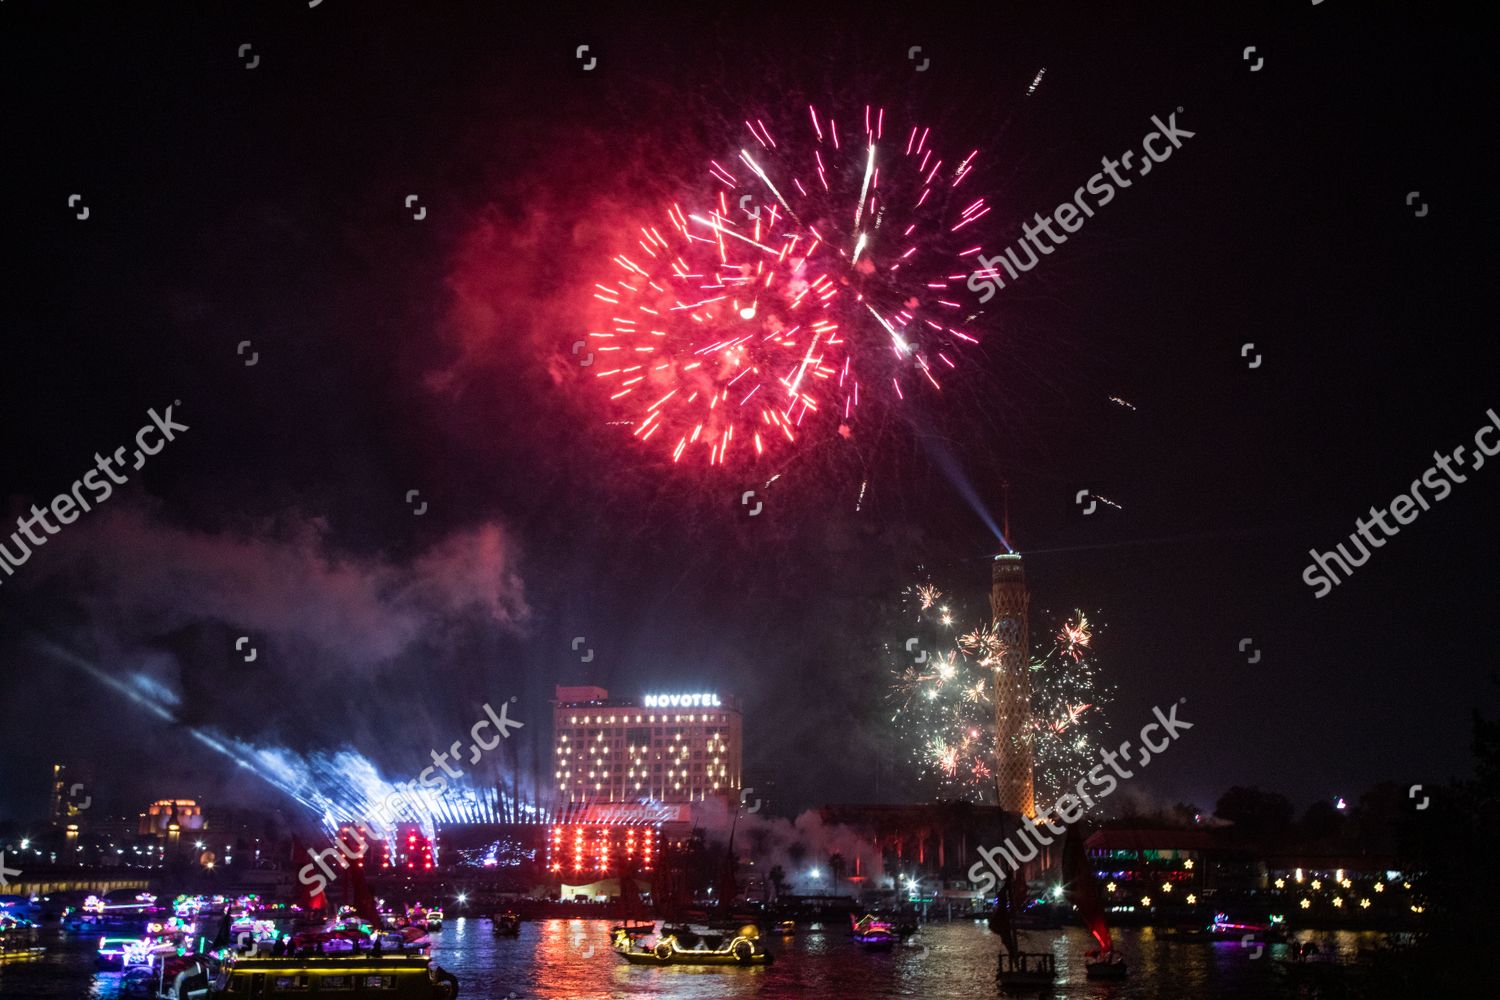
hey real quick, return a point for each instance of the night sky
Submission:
(266, 205)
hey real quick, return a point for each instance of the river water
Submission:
(570, 960)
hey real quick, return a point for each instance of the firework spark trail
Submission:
(756, 316)
(947, 718)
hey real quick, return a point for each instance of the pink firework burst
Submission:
(1075, 638)
(817, 276)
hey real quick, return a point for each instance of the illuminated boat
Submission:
(118, 953)
(402, 976)
(786, 927)
(506, 924)
(1236, 926)
(873, 934)
(691, 946)
(170, 937)
(18, 938)
(420, 916)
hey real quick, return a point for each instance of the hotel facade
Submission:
(666, 748)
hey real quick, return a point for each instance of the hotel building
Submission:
(668, 748)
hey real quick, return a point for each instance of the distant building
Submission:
(939, 839)
(669, 748)
(162, 816)
(1136, 863)
(68, 798)
(759, 794)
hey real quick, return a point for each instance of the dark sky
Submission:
(230, 204)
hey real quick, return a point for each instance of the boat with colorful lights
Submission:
(873, 934)
(353, 970)
(1237, 925)
(102, 914)
(350, 958)
(357, 970)
(693, 945)
(18, 938)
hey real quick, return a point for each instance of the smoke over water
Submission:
(800, 846)
(308, 665)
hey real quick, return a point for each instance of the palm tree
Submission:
(777, 879)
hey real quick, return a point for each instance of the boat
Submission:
(18, 938)
(353, 956)
(1082, 890)
(1014, 968)
(1239, 924)
(435, 919)
(399, 976)
(119, 953)
(634, 929)
(1105, 965)
(506, 924)
(873, 934)
(786, 928)
(338, 959)
(1027, 970)
(683, 945)
(1308, 968)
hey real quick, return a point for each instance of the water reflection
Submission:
(571, 960)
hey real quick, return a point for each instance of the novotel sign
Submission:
(682, 701)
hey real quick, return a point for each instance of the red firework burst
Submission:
(815, 276)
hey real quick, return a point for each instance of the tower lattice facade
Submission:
(1009, 603)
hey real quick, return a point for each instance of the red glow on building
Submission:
(409, 850)
(593, 849)
(359, 843)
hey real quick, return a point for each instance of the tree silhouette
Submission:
(777, 880)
